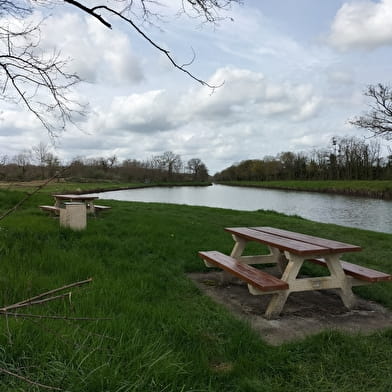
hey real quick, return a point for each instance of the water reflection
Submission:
(371, 214)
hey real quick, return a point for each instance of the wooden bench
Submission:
(256, 278)
(101, 208)
(52, 209)
(358, 272)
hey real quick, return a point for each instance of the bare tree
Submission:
(379, 118)
(198, 169)
(169, 162)
(39, 80)
(23, 160)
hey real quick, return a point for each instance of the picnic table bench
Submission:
(99, 208)
(63, 199)
(289, 250)
(52, 209)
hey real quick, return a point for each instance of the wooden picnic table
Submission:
(87, 199)
(289, 250)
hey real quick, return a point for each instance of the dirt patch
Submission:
(304, 314)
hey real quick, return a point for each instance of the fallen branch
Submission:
(31, 303)
(39, 296)
(29, 381)
(39, 316)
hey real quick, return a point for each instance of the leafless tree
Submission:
(198, 169)
(39, 80)
(169, 162)
(22, 160)
(378, 119)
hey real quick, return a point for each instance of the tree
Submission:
(170, 163)
(23, 160)
(45, 159)
(197, 169)
(39, 80)
(379, 118)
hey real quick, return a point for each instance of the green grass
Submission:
(163, 333)
(326, 185)
(72, 186)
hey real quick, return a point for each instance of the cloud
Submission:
(364, 25)
(247, 116)
(95, 52)
(148, 112)
(18, 122)
(249, 94)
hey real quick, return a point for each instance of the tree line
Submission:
(346, 158)
(39, 163)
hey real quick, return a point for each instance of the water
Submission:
(365, 213)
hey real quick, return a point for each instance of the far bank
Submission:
(378, 189)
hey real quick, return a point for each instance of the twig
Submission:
(31, 303)
(80, 283)
(39, 316)
(29, 381)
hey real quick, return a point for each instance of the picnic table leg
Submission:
(239, 246)
(57, 202)
(290, 273)
(91, 207)
(337, 273)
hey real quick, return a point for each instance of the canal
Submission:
(359, 212)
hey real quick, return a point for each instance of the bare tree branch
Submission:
(378, 119)
(39, 80)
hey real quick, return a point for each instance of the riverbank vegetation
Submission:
(344, 159)
(88, 186)
(40, 162)
(376, 188)
(162, 333)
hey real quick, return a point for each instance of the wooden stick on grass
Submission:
(37, 297)
(29, 381)
(31, 303)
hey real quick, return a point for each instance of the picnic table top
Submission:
(297, 243)
(69, 196)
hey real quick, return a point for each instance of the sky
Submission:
(292, 73)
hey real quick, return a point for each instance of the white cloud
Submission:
(149, 112)
(363, 24)
(96, 52)
(249, 94)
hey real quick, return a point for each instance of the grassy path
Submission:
(163, 333)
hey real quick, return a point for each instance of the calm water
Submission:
(371, 214)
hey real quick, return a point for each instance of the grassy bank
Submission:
(378, 189)
(88, 187)
(163, 333)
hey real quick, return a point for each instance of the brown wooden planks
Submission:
(335, 246)
(291, 245)
(359, 272)
(259, 279)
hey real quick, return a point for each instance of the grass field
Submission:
(76, 187)
(163, 333)
(375, 188)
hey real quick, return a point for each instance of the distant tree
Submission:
(45, 159)
(112, 161)
(23, 160)
(197, 169)
(169, 162)
(39, 153)
(378, 119)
